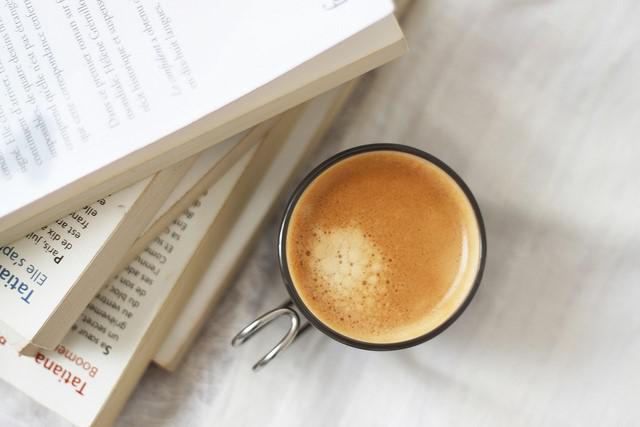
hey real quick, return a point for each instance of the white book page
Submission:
(36, 272)
(83, 84)
(267, 190)
(76, 379)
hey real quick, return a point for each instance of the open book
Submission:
(156, 82)
(52, 273)
(66, 261)
(88, 376)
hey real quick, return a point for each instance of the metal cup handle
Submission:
(295, 329)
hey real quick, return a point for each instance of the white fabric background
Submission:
(537, 105)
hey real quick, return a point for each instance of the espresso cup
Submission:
(381, 247)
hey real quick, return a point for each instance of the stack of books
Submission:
(142, 145)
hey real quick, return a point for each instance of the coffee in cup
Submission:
(382, 246)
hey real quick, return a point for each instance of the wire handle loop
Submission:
(252, 328)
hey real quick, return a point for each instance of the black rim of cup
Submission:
(282, 250)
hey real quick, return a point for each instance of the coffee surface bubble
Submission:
(383, 246)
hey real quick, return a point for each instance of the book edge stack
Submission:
(265, 139)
